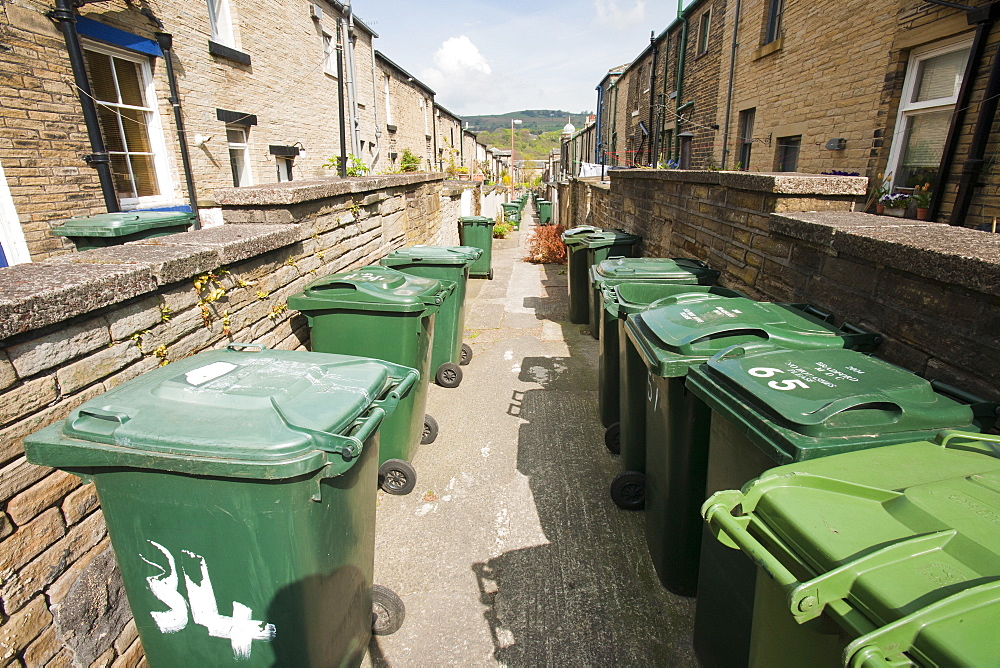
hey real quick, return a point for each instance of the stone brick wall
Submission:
(931, 290)
(449, 137)
(412, 108)
(78, 325)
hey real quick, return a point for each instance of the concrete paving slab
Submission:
(510, 551)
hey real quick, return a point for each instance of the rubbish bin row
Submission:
(702, 390)
(239, 485)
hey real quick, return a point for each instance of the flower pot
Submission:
(880, 209)
(897, 212)
(923, 213)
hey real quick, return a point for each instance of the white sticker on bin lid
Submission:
(203, 374)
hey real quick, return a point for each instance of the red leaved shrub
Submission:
(545, 245)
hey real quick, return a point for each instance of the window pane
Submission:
(788, 153)
(136, 137)
(940, 76)
(922, 148)
(129, 85)
(238, 164)
(235, 136)
(145, 176)
(122, 175)
(102, 83)
(109, 128)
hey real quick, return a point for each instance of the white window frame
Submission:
(247, 172)
(220, 21)
(284, 166)
(154, 127)
(329, 54)
(908, 109)
(388, 105)
(15, 248)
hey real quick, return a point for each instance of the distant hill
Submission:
(536, 121)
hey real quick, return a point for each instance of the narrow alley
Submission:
(510, 550)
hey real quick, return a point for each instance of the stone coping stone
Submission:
(778, 183)
(167, 264)
(233, 243)
(39, 294)
(296, 192)
(821, 226)
(955, 255)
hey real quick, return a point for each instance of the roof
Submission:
(342, 8)
(409, 77)
(455, 116)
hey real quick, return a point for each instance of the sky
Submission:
(494, 57)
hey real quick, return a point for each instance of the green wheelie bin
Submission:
(601, 246)
(886, 557)
(544, 212)
(450, 263)
(477, 231)
(772, 406)
(239, 491)
(615, 270)
(113, 229)
(577, 272)
(511, 214)
(386, 314)
(620, 301)
(673, 425)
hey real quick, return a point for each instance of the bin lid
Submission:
(578, 231)
(121, 223)
(801, 404)
(621, 299)
(475, 220)
(673, 336)
(267, 414)
(373, 288)
(677, 270)
(432, 255)
(606, 238)
(900, 544)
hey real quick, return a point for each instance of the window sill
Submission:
(390, 128)
(768, 49)
(229, 53)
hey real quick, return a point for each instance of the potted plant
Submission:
(879, 191)
(922, 200)
(895, 204)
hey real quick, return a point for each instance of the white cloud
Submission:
(610, 14)
(462, 76)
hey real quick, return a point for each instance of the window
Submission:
(772, 23)
(284, 169)
(13, 249)
(930, 90)
(388, 106)
(746, 138)
(786, 156)
(704, 24)
(122, 86)
(239, 155)
(329, 55)
(221, 23)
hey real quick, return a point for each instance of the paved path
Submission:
(510, 551)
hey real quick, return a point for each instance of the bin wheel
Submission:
(397, 476)
(448, 375)
(430, 430)
(628, 490)
(388, 611)
(466, 354)
(489, 275)
(613, 438)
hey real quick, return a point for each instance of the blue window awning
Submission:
(126, 40)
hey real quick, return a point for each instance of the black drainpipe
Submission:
(166, 43)
(340, 101)
(652, 102)
(983, 18)
(99, 159)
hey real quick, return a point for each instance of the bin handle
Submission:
(958, 394)
(347, 447)
(104, 418)
(401, 389)
(813, 311)
(945, 437)
(694, 260)
(861, 338)
(242, 347)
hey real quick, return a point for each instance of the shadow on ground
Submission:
(589, 596)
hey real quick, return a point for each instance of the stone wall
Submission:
(78, 325)
(931, 290)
